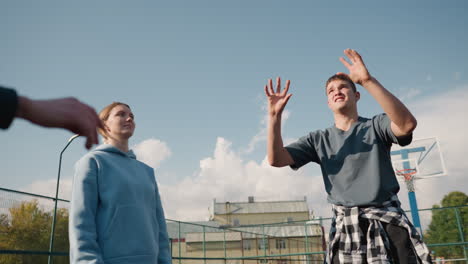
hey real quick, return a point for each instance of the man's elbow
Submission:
(410, 126)
(406, 128)
(274, 162)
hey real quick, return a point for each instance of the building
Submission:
(250, 232)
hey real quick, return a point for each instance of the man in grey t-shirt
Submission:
(354, 156)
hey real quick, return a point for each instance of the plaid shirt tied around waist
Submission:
(346, 236)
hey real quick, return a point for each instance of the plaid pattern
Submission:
(348, 239)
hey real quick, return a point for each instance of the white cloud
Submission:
(152, 152)
(444, 116)
(225, 176)
(456, 76)
(48, 188)
(262, 133)
(405, 94)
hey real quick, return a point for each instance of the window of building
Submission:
(247, 244)
(262, 243)
(235, 222)
(264, 261)
(290, 219)
(280, 243)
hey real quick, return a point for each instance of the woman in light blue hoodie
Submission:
(116, 214)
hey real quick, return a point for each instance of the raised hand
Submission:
(277, 100)
(358, 72)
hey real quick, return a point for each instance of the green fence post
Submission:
(263, 241)
(460, 232)
(204, 246)
(306, 238)
(180, 251)
(54, 216)
(224, 245)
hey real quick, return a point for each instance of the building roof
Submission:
(260, 207)
(194, 232)
(293, 230)
(173, 228)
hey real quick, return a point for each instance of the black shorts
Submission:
(401, 250)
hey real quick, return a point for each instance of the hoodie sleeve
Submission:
(164, 256)
(84, 247)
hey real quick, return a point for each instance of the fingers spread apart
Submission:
(269, 91)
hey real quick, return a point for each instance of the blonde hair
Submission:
(104, 115)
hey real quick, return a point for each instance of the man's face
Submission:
(340, 95)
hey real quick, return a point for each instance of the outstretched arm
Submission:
(403, 122)
(67, 113)
(278, 156)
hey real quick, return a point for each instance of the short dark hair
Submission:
(342, 77)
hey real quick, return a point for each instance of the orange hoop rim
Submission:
(406, 173)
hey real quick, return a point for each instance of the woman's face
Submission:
(120, 124)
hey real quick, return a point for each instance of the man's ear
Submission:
(358, 96)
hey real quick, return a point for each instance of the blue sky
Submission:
(193, 73)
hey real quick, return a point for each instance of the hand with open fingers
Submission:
(67, 113)
(358, 72)
(277, 100)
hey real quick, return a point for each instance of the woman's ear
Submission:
(105, 130)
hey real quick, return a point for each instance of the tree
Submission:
(443, 227)
(28, 227)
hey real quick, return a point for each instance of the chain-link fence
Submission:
(208, 242)
(26, 224)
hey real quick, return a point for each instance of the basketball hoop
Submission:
(408, 175)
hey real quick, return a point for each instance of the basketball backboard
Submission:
(422, 158)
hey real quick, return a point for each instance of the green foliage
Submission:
(28, 227)
(444, 227)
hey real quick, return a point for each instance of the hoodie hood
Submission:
(110, 148)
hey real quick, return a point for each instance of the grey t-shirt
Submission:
(356, 164)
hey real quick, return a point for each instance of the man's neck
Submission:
(344, 121)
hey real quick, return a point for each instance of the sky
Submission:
(193, 73)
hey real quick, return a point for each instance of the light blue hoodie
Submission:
(116, 214)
